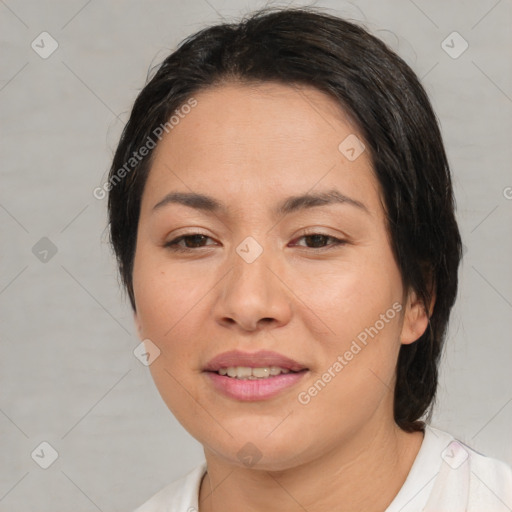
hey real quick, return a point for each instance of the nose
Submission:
(253, 296)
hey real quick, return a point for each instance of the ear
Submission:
(416, 318)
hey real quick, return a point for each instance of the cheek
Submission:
(352, 297)
(165, 299)
(165, 311)
(361, 305)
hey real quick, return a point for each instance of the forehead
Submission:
(249, 115)
(266, 139)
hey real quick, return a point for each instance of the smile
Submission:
(246, 376)
(251, 388)
(246, 372)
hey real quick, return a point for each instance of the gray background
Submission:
(68, 373)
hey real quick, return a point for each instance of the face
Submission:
(299, 301)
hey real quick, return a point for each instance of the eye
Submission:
(318, 241)
(191, 241)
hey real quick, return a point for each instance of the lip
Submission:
(258, 359)
(257, 389)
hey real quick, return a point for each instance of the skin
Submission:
(250, 147)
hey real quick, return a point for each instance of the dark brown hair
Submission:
(304, 46)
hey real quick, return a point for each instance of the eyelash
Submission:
(173, 244)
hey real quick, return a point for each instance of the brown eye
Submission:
(320, 241)
(190, 242)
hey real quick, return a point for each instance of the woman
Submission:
(282, 213)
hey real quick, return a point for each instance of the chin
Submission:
(255, 449)
(250, 456)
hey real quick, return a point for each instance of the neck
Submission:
(364, 472)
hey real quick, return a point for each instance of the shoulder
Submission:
(490, 483)
(470, 478)
(178, 496)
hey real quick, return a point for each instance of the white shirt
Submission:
(446, 476)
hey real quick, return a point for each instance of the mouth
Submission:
(253, 376)
(249, 373)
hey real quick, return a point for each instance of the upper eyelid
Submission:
(304, 233)
(175, 240)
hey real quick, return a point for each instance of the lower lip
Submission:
(255, 389)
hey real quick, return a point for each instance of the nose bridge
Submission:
(251, 291)
(251, 276)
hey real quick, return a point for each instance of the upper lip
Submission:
(261, 359)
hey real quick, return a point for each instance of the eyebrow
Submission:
(289, 205)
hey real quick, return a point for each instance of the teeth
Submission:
(261, 373)
(247, 373)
